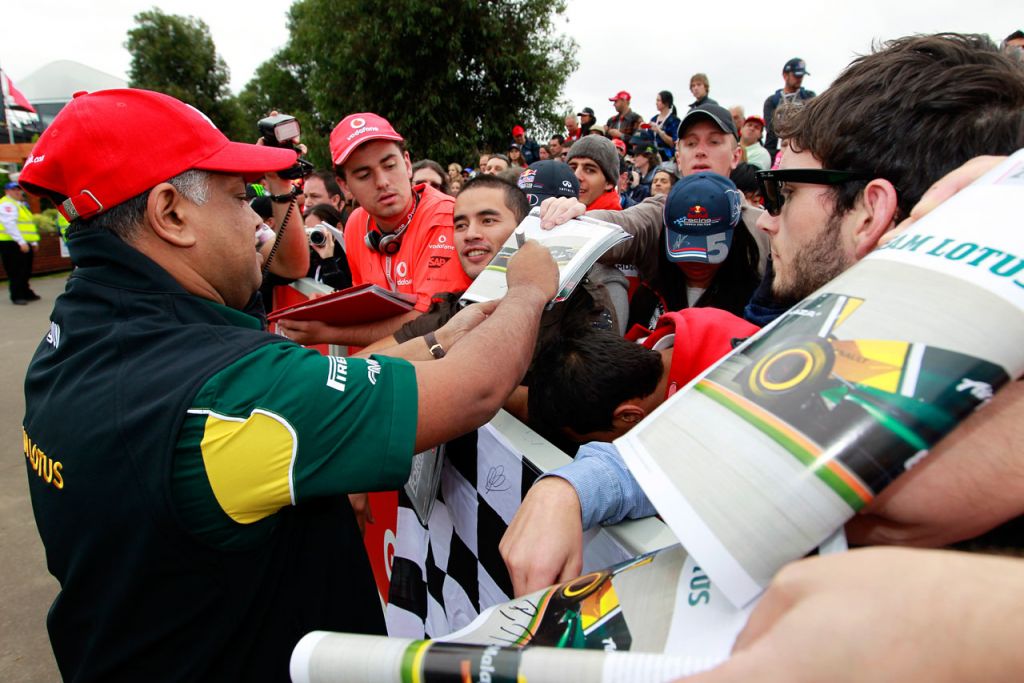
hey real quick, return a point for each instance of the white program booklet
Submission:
(575, 246)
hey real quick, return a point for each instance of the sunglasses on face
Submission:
(772, 182)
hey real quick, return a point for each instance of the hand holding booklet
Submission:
(575, 246)
(353, 306)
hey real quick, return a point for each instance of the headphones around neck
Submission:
(389, 243)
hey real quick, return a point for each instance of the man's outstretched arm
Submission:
(544, 542)
(468, 386)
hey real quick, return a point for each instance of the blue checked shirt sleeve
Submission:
(607, 490)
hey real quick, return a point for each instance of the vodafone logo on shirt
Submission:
(402, 271)
(442, 244)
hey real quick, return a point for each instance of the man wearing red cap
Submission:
(626, 121)
(528, 146)
(186, 468)
(750, 140)
(400, 238)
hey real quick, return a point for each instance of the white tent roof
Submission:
(58, 81)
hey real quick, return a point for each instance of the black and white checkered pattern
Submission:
(446, 573)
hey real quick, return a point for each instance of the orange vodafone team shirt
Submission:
(426, 262)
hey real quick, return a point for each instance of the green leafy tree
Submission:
(176, 55)
(453, 76)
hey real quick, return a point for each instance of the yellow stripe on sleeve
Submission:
(249, 463)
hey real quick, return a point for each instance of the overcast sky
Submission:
(654, 49)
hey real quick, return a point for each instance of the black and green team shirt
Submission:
(187, 472)
(284, 425)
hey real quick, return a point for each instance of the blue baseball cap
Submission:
(548, 178)
(700, 214)
(797, 67)
(11, 185)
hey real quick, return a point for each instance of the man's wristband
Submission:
(286, 197)
(436, 350)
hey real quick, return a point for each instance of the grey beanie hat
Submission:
(599, 149)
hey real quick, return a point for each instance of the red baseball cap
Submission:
(518, 130)
(620, 143)
(703, 336)
(355, 129)
(621, 95)
(109, 146)
(756, 119)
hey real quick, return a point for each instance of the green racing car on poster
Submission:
(868, 407)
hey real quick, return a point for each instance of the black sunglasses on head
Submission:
(771, 182)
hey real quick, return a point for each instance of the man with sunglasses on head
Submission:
(401, 237)
(857, 159)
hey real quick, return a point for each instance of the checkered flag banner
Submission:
(447, 571)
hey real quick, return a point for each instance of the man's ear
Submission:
(627, 416)
(170, 216)
(346, 194)
(344, 187)
(878, 204)
(737, 156)
(408, 164)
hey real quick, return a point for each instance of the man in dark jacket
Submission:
(528, 146)
(791, 93)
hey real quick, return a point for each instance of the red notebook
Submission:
(353, 306)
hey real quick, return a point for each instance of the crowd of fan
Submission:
(646, 149)
(627, 171)
(701, 289)
(638, 161)
(728, 232)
